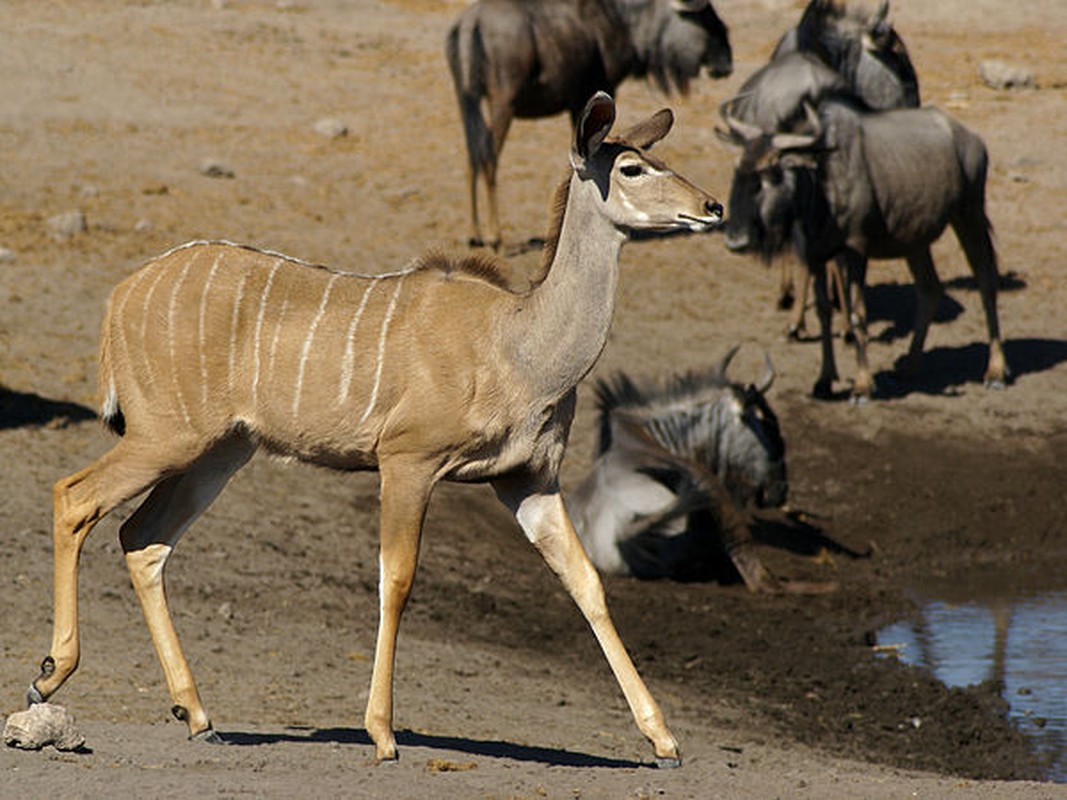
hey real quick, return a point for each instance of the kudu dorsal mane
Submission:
(484, 268)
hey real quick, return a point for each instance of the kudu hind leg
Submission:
(546, 524)
(148, 537)
(79, 502)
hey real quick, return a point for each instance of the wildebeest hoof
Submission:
(208, 736)
(668, 762)
(823, 390)
(861, 399)
(995, 383)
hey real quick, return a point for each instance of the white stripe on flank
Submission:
(269, 374)
(144, 323)
(307, 344)
(259, 328)
(238, 299)
(171, 309)
(120, 320)
(201, 331)
(381, 351)
(350, 346)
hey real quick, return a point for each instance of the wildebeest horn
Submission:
(768, 375)
(726, 359)
(688, 6)
(881, 14)
(793, 141)
(742, 130)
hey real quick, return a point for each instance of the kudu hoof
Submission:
(208, 736)
(668, 762)
(33, 696)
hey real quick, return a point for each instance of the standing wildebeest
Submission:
(675, 464)
(859, 45)
(865, 185)
(436, 372)
(834, 49)
(537, 58)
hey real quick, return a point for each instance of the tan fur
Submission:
(435, 372)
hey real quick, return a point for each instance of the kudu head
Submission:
(763, 195)
(638, 191)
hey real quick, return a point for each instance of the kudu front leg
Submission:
(78, 503)
(404, 496)
(546, 524)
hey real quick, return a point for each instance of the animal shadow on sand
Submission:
(549, 756)
(896, 304)
(18, 409)
(796, 532)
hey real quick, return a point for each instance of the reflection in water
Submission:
(1019, 642)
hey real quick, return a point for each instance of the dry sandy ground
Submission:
(111, 109)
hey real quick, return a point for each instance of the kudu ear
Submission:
(646, 133)
(593, 125)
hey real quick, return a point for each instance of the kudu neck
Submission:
(565, 322)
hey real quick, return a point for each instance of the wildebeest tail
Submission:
(467, 60)
(110, 412)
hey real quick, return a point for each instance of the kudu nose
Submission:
(714, 209)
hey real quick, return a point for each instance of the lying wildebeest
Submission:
(538, 58)
(862, 185)
(833, 49)
(676, 463)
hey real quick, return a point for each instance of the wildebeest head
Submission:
(767, 187)
(724, 426)
(686, 35)
(860, 43)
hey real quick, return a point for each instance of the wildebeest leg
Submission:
(852, 266)
(972, 230)
(929, 287)
(823, 389)
(148, 537)
(499, 123)
(791, 276)
(543, 518)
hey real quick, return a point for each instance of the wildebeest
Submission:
(861, 46)
(538, 58)
(834, 49)
(862, 185)
(677, 460)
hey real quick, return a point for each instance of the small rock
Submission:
(7, 255)
(213, 168)
(40, 725)
(226, 611)
(331, 128)
(143, 226)
(1001, 75)
(68, 224)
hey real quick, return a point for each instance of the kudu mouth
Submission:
(712, 218)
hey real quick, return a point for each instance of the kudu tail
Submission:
(110, 412)
(467, 60)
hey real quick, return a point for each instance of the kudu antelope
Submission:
(437, 372)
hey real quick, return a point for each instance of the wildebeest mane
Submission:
(668, 411)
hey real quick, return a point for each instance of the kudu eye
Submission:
(632, 170)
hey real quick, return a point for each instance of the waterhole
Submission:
(1017, 638)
